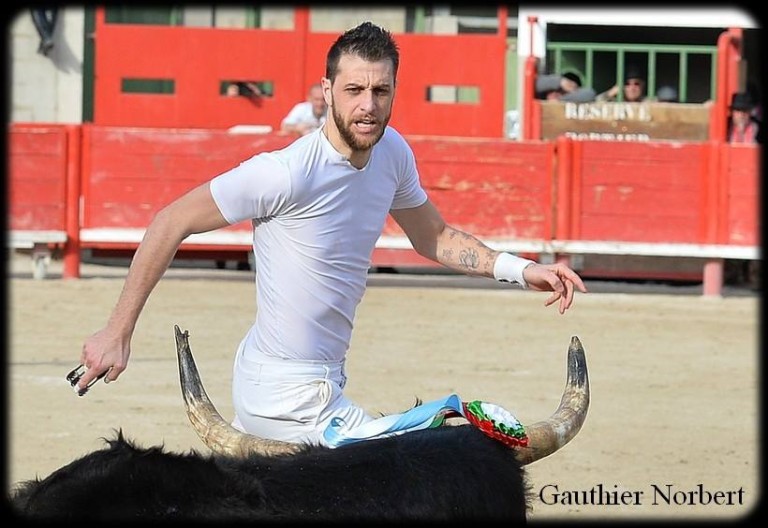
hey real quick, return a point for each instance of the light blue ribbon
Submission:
(422, 417)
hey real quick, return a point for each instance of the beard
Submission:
(357, 143)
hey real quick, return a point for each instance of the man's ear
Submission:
(327, 85)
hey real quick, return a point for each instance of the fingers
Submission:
(569, 276)
(85, 377)
(112, 374)
(558, 278)
(81, 380)
(552, 299)
(104, 355)
(567, 299)
(576, 280)
(563, 281)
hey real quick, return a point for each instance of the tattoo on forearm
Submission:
(465, 252)
(469, 258)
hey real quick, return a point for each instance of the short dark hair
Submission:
(367, 41)
(571, 76)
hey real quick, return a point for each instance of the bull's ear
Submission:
(213, 430)
(546, 437)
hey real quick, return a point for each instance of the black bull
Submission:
(443, 473)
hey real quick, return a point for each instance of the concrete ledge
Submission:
(19, 239)
(584, 247)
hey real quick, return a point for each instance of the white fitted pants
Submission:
(290, 400)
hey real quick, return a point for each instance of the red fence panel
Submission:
(742, 195)
(639, 191)
(654, 193)
(131, 173)
(478, 62)
(197, 60)
(494, 188)
(37, 176)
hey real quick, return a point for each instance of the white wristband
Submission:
(509, 268)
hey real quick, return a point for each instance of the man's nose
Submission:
(367, 101)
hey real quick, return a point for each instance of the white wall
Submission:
(46, 89)
(338, 19)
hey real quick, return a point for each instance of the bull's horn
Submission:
(546, 437)
(214, 431)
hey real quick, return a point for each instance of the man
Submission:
(666, 94)
(633, 90)
(318, 207)
(743, 126)
(566, 87)
(306, 116)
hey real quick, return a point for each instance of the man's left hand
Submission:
(557, 278)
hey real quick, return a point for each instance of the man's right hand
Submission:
(104, 351)
(107, 350)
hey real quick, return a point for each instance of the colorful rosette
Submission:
(496, 422)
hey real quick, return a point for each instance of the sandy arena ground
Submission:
(674, 377)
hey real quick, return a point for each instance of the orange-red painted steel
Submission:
(197, 60)
(652, 192)
(37, 177)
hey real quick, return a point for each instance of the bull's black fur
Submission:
(435, 474)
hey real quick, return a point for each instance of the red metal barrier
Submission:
(100, 186)
(37, 168)
(740, 213)
(130, 173)
(197, 60)
(500, 188)
(497, 187)
(639, 191)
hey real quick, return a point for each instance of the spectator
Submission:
(666, 94)
(743, 126)
(308, 115)
(247, 89)
(566, 87)
(633, 92)
(44, 20)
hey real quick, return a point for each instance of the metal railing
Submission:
(601, 65)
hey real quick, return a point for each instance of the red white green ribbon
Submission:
(496, 422)
(491, 419)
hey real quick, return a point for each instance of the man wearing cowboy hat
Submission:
(744, 125)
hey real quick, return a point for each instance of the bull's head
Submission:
(544, 438)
